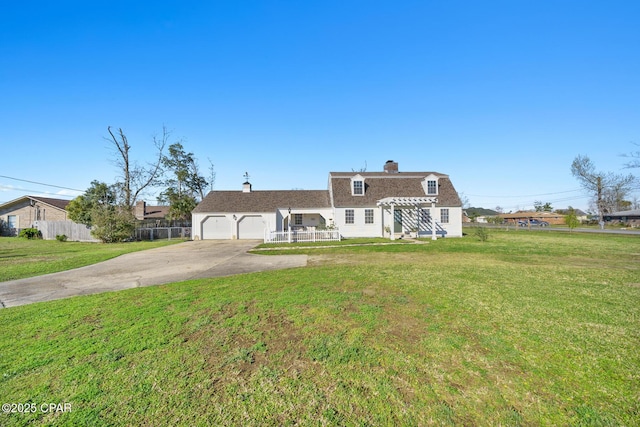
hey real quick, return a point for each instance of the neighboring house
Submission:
(581, 215)
(143, 212)
(359, 204)
(632, 217)
(25, 211)
(550, 217)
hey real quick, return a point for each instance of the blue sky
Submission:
(500, 95)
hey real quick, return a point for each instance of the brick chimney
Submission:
(391, 167)
(140, 209)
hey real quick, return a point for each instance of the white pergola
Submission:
(413, 202)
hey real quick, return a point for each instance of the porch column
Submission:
(433, 221)
(393, 223)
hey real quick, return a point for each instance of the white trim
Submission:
(354, 179)
(407, 201)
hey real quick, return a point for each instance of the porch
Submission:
(411, 215)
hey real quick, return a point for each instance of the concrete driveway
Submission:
(184, 261)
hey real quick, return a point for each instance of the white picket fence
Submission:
(301, 236)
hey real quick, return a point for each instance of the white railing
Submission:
(301, 236)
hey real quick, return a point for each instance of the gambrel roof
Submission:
(262, 201)
(380, 185)
(377, 186)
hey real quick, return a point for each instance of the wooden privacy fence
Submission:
(301, 236)
(73, 231)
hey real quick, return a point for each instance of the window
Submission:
(12, 221)
(444, 215)
(425, 216)
(368, 216)
(358, 188)
(297, 219)
(349, 216)
(432, 187)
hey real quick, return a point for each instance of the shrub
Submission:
(30, 233)
(481, 233)
(61, 237)
(570, 219)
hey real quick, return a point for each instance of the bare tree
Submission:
(635, 158)
(135, 178)
(212, 175)
(362, 169)
(601, 185)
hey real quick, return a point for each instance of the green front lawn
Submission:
(20, 258)
(524, 329)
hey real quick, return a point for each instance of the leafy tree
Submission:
(571, 219)
(542, 207)
(601, 185)
(98, 208)
(185, 186)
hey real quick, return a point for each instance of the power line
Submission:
(41, 183)
(527, 195)
(32, 191)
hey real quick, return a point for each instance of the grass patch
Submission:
(343, 242)
(523, 329)
(20, 258)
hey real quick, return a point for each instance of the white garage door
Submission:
(251, 227)
(216, 227)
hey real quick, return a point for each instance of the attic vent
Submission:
(391, 167)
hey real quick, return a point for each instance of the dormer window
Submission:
(357, 186)
(430, 185)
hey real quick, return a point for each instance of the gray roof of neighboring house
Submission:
(635, 212)
(156, 212)
(56, 203)
(379, 185)
(262, 201)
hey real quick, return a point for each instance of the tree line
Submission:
(109, 208)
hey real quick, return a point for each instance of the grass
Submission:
(20, 258)
(523, 329)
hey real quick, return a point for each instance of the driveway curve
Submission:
(189, 260)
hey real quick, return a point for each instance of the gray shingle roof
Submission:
(57, 203)
(262, 201)
(379, 185)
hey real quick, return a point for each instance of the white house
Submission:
(359, 204)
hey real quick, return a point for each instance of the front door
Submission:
(397, 221)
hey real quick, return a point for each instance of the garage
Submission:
(216, 227)
(251, 227)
